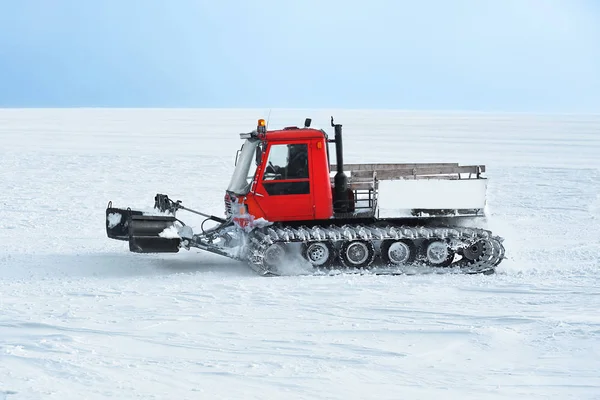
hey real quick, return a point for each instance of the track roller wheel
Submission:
(436, 253)
(274, 256)
(357, 253)
(398, 252)
(320, 254)
(480, 254)
(474, 251)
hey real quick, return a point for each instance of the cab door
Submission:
(284, 191)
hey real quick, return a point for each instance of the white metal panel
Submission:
(398, 197)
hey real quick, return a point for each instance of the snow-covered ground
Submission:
(81, 317)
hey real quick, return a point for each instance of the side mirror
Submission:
(258, 154)
(307, 122)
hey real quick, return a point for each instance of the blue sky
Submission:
(509, 55)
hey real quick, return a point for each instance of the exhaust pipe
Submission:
(340, 200)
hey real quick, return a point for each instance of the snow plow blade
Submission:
(117, 222)
(143, 232)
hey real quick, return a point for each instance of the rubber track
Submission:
(261, 238)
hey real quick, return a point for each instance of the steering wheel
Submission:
(271, 171)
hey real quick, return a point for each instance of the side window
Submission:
(287, 162)
(297, 161)
(277, 163)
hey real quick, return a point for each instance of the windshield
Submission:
(245, 168)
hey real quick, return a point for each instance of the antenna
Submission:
(268, 117)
